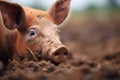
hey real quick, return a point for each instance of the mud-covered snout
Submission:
(58, 54)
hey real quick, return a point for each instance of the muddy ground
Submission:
(94, 45)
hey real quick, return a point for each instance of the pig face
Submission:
(43, 35)
(33, 29)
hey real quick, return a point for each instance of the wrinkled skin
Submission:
(22, 28)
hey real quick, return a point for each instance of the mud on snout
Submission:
(56, 53)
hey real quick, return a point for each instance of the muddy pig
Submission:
(23, 27)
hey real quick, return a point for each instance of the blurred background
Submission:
(92, 29)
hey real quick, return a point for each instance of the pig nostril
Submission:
(66, 53)
(57, 54)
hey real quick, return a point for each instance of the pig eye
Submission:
(32, 32)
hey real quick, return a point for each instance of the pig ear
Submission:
(59, 11)
(12, 14)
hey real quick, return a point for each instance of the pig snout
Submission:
(58, 54)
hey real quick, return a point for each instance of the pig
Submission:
(25, 29)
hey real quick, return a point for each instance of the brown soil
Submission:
(94, 45)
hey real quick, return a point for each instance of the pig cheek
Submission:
(33, 43)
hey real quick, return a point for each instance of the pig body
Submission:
(24, 27)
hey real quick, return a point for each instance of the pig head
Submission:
(24, 27)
